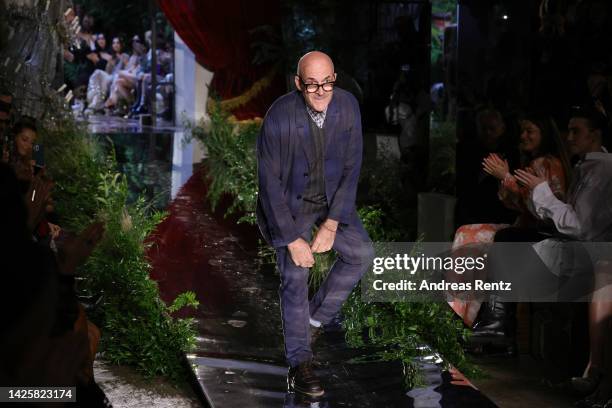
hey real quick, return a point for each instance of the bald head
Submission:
(315, 59)
(316, 68)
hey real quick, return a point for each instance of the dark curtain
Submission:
(221, 35)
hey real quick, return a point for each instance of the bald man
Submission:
(309, 157)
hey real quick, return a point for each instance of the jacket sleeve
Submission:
(280, 222)
(343, 203)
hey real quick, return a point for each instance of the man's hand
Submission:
(324, 240)
(530, 179)
(300, 252)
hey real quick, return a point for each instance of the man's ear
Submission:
(597, 135)
(298, 83)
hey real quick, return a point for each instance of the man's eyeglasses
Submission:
(312, 88)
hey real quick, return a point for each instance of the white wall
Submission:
(191, 90)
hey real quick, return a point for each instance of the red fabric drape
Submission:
(219, 34)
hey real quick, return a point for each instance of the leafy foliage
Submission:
(437, 35)
(381, 187)
(137, 328)
(232, 163)
(399, 330)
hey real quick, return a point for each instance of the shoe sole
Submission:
(295, 389)
(309, 394)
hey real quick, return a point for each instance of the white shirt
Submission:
(587, 215)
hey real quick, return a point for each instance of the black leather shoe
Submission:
(588, 384)
(302, 380)
(491, 319)
(315, 333)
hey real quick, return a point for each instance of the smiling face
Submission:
(315, 68)
(531, 137)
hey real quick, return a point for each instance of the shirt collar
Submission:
(601, 155)
(317, 117)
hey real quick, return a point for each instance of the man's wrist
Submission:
(331, 225)
(294, 242)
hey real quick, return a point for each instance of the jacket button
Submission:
(299, 197)
(305, 174)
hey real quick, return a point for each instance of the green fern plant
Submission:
(232, 163)
(137, 327)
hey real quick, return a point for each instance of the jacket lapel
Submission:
(303, 129)
(331, 124)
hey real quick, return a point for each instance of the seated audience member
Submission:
(477, 200)
(127, 79)
(24, 139)
(102, 54)
(163, 75)
(101, 80)
(541, 150)
(585, 216)
(84, 57)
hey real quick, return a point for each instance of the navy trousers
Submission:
(354, 258)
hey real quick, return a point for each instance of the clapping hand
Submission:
(495, 166)
(530, 178)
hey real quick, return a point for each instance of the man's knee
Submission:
(294, 279)
(361, 254)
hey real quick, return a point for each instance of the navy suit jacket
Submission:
(284, 152)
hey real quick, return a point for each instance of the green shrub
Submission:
(137, 327)
(232, 162)
(398, 330)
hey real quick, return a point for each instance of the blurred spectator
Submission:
(477, 200)
(46, 340)
(127, 79)
(586, 216)
(83, 58)
(164, 76)
(101, 80)
(24, 138)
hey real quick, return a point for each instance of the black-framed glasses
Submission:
(312, 88)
